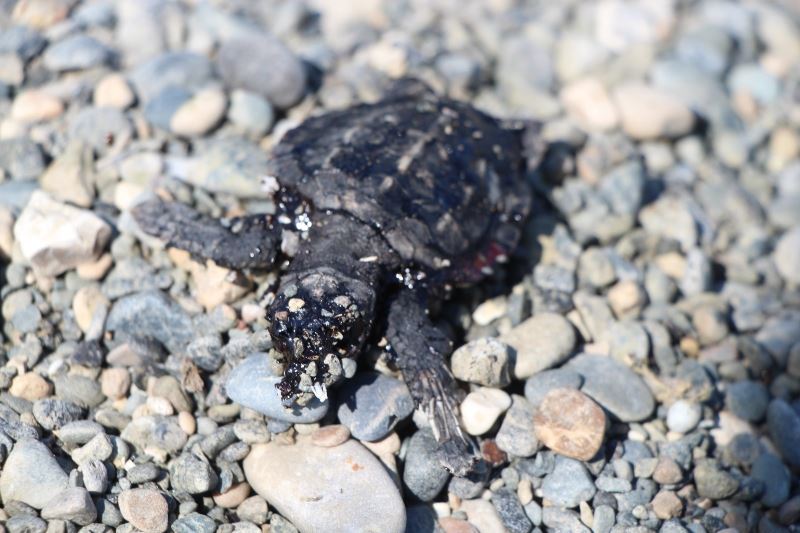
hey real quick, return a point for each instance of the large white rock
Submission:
(31, 475)
(339, 489)
(56, 237)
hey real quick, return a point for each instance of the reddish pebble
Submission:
(570, 423)
(330, 436)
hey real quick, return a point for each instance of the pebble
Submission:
(232, 166)
(253, 509)
(160, 110)
(538, 385)
(30, 386)
(589, 103)
(33, 105)
(554, 342)
(516, 434)
(481, 409)
(342, 487)
(101, 128)
(787, 256)
(152, 431)
(784, 428)
(98, 448)
(667, 471)
(199, 114)
(683, 416)
(53, 413)
(372, 404)
(568, 484)
(647, 112)
(423, 475)
(667, 505)
(710, 324)
(183, 69)
(151, 314)
(114, 91)
(21, 40)
(76, 52)
(713, 482)
(614, 386)
(232, 497)
(115, 382)
(24, 523)
(776, 478)
(483, 361)
(95, 476)
(748, 400)
(252, 385)
(250, 112)
(189, 473)
(74, 504)
(570, 423)
(31, 474)
(282, 84)
(194, 523)
(21, 159)
(79, 432)
(330, 436)
(511, 512)
(145, 509)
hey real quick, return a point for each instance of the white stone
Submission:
(683, 416)
(199, 114)
(481, 409)
(587, 101)
(56, 237)
(541, 342)
(337, 490)
(651, 113)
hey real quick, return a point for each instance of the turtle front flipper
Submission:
(420, 349)
(238, 243)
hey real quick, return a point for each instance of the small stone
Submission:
(542, 341)
(483, 361)
(151, 314)
(358, 485)
(516, 435)
(73, 504)
(283, 83)
(647, 112)
(254, 509)
(85, 304)
(24, 523)
(98, 448)
(571, 424)
(95, 476)
(614, 386)
(30, 386)
(670, 217)
(233, 166)
(787, 256)
(194, 523)
(250, 112)
(201, 113)
(145, 509)
(33, 105)
(53, 413)
(538, 385)
(511, 512)
(627, 298)
(423, 475)
(79, 432)
(683, 416)
(710, 324)
(252, 385)
(713, 482)
(329, 436)
(481, 409)
(776, 478)
(613, 485)
(56, 237)
(629, 343)
(115, 382)
(76, 52)
(152, 431)
(589, 103)
(568, 484)
(188, 473)
(667, 472)
(113, 90)
(66, 178)
(667, 505)
(748, 400)
(31, 474)
(482, 514)
(784, 428)
(232, 497)
(372, 404)
(21, 159)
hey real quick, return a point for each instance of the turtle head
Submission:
(317, 318)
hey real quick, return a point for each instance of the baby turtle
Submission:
(395, 202)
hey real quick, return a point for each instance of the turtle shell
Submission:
(441, 181)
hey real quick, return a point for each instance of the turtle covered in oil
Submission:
(395, 202)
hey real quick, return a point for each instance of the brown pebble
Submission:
(667, 472)
(30, 386)
(115, 382)
(570, 423)
(455, 525)
(492, 453)
(667, 505)
(145, 509)
(330, 436)
(233, 496)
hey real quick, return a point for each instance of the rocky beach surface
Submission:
(634, 368)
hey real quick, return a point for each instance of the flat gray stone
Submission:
(31, 475)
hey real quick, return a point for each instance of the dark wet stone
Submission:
(423, 476)
(747, 400)
(422, 519)
(776, 478)
(372, 404)
(511, 512)
(784, 428)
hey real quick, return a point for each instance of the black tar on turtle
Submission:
(395, 201)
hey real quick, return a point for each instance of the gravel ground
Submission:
(635, 368)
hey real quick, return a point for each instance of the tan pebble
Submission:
(650, 113)
(570, 423)
(389, 445)
(525, 491)
(330, 436)
(667, 472)
(667, 505)
(10, 129)
(86, 301)
(200, 114)
(587, 516)
(30, 386)
(588, 102)
(455, 525)
(115, 382)
(626, 299)
(145, 509)
(252, 313)
(95, 270)
(140, 411)
(233, 496)
(126, 194)
(34, 105)
(217, 285)
(187, 422)
(690, 346)
(12, 69)
(673, 264)
(113, 91)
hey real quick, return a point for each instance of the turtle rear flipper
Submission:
(245, 242)
(420, 349)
